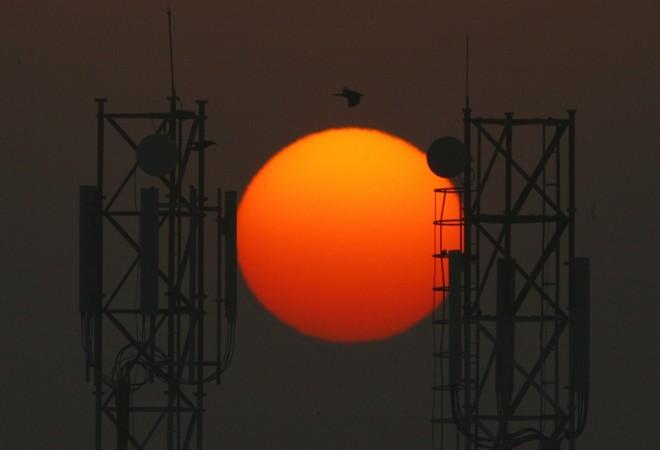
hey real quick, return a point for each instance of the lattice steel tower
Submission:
(144, 293)
(511, 337)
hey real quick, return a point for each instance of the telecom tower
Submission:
(511, 332)
(144, 295)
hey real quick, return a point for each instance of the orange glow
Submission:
(335, 235)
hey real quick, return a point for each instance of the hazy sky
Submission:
(267, 69)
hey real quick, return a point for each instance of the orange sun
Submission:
(335, 235)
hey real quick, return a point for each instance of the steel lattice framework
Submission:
(518, 239)
(136, 350)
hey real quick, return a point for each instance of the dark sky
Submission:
(267, 69)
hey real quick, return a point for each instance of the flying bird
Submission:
(353, 97)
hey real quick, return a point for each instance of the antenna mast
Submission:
(467, 71)
(169, 29)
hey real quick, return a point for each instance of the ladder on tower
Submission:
(550, 183)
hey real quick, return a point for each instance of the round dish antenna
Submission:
(447, 157)
(157, 155)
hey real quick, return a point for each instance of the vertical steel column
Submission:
(201, 117)
(467, 265)
(98, 316)
(558, 291)
(192, 283)
(171, 295)
(571, 254)
(542, 332)
(477, 281)
(507, 183)
(505, 397)
(177, 270)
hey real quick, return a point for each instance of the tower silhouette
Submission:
(511, 332)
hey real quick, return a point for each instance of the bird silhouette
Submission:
(353, 97)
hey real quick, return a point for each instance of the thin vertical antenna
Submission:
(169, 26)
(467, 71)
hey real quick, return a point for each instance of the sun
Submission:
(335, 235)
